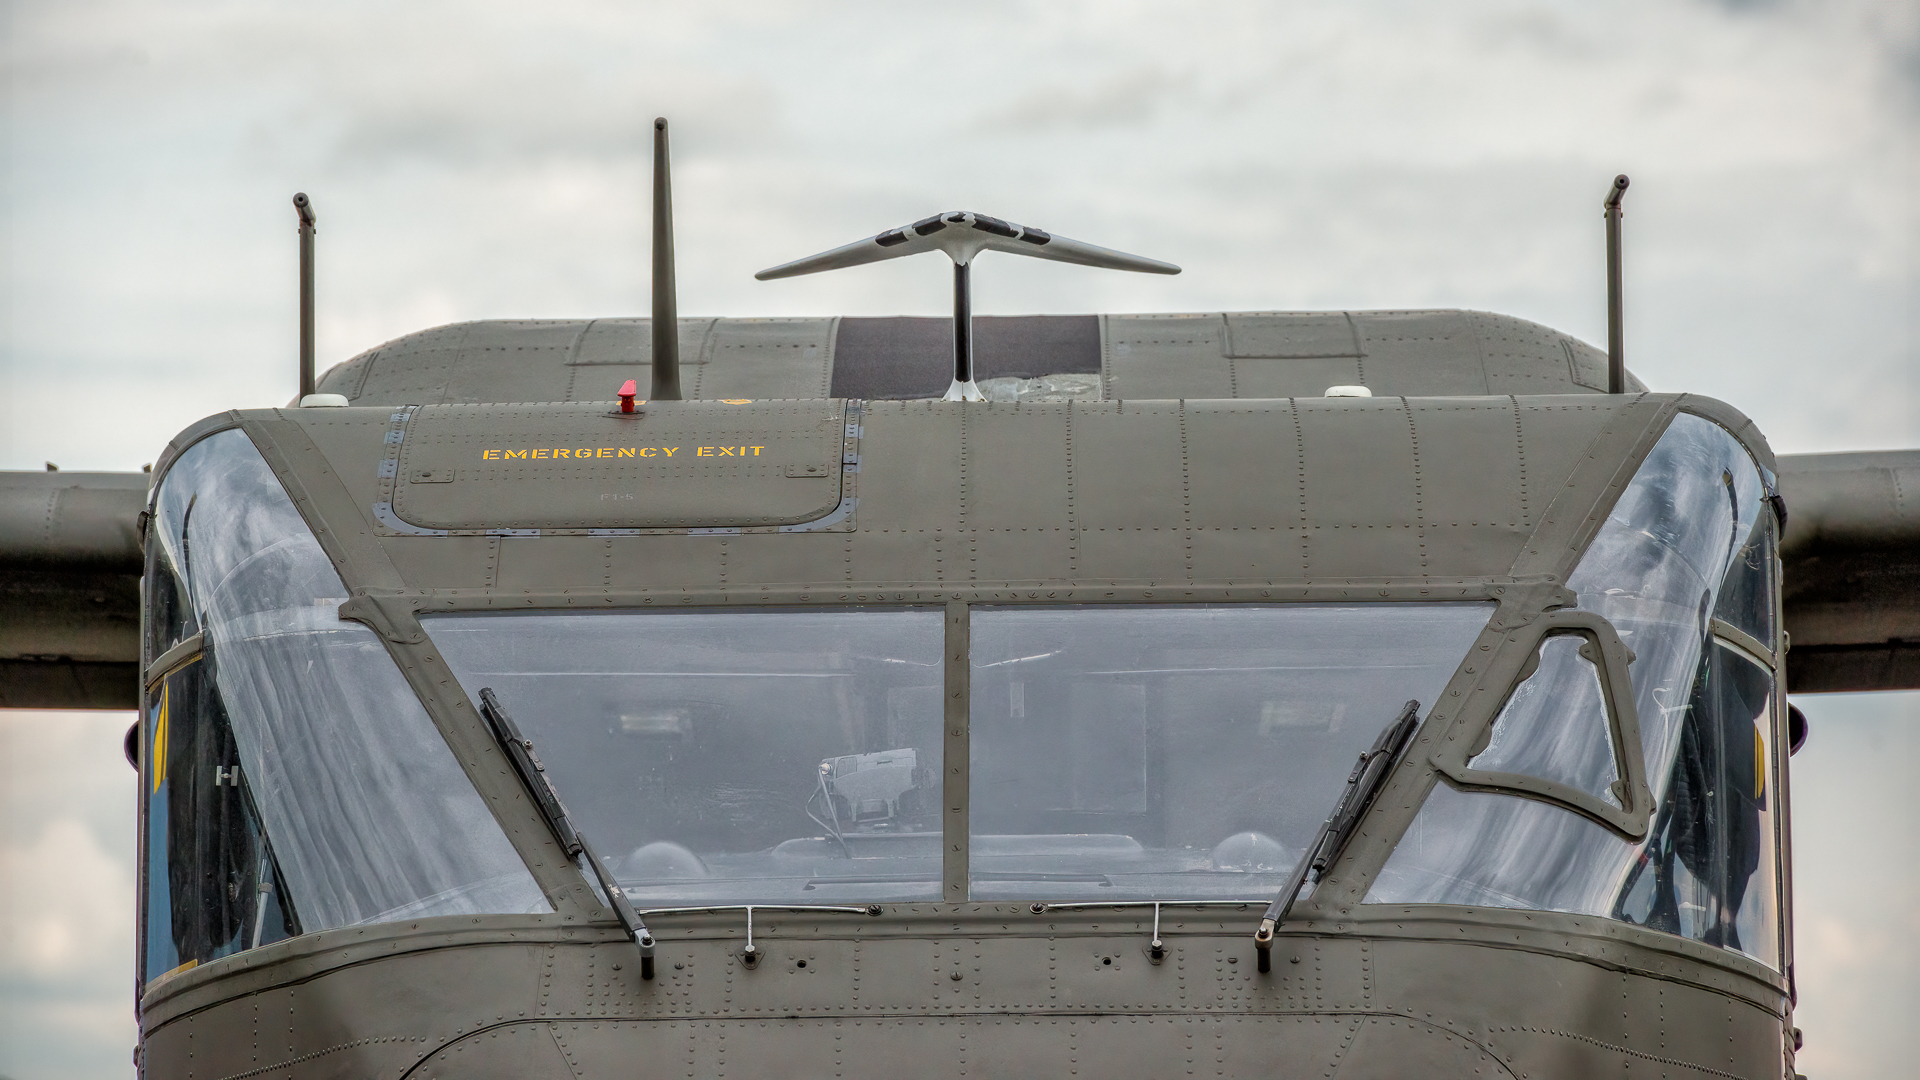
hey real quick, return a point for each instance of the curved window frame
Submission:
(352, 827)
(1452, 759)
(1462, 879)
(1513, 666)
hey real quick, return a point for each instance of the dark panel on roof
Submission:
(902, 358)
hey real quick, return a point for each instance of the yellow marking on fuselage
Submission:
(568, 453)
(159, 748)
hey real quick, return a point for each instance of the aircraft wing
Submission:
(1852, 564)
(70, 589)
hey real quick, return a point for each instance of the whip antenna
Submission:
(304, 207)
(666, 307)
(1616, 331)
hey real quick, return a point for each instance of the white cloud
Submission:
(66, 895)
(481, 160)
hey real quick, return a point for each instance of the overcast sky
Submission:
(487, 159)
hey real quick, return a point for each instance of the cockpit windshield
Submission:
(1683, 569)
(799, 756)
(731, 756)
(1155, 752)
(292, 781)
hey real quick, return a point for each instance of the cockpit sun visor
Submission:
(579, 467)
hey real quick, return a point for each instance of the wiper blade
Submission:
(533, 775)
(1369, 774)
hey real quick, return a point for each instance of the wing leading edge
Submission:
(1851, 556)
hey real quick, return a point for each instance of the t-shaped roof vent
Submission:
(962, 235)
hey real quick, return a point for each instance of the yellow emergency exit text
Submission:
(566, 453)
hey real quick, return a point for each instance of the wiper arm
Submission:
(519, 750)
(1369, 773)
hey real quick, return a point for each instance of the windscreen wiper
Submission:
(1369, 773)
(519, 750)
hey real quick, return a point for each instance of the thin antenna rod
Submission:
(304, 207)
(1616, 333)
(666, 308)
(963, 324)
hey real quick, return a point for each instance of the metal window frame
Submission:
(1511, 667)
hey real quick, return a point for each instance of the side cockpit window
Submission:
(1706, 872)
(217, 884)
(1674, 828)
(292, 780)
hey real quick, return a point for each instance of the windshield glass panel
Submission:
(1681, 536)
(1746, 601)
(1160, 752)
(1554, 725)
(737, 756)
(1708, 871)
(290, 760)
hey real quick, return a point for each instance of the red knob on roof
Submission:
(627, 392)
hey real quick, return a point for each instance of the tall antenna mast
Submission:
(1616, 330)
(961, 236)
(304, 207)
(666, 308)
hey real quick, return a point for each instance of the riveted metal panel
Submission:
(1146, 555)
(1307, 489)
(1476, 502)
(924, 984)
(629, 343)
(511, 1051)
(1164, 356)
(1208, 355)
(1363, 489)
(917, 483)
(504, 360)
(1243, 460)
(657, 561)
(1128, 466)
(1423, 353)
(451, 562)
(1291, 335)
(894, 556)
(608, 352)
(1598, 1021)
(1015, 466)
(766, 358)
(822, 559)
(1306, 377)
(684, 464)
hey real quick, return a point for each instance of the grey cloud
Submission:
(1129, 97)
(523, 116)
